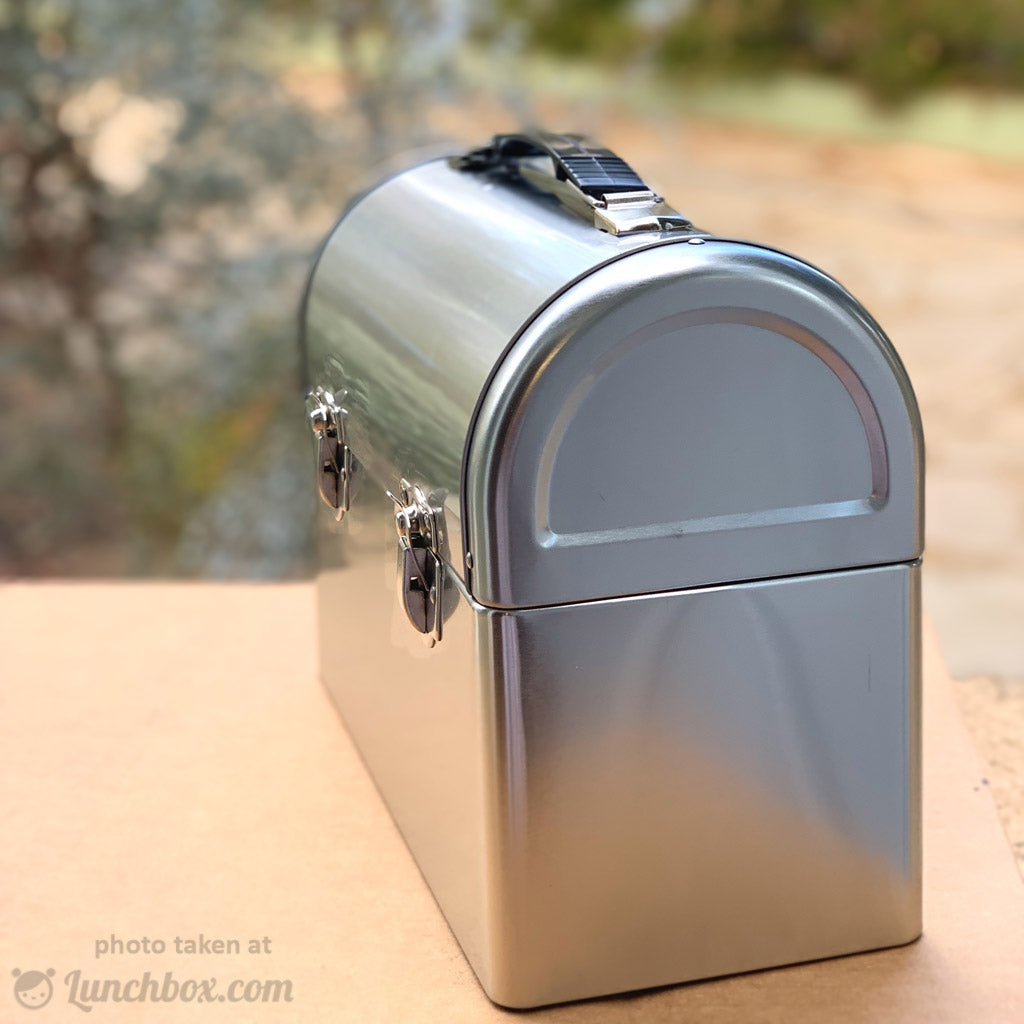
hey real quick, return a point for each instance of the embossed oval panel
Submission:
(687, 416)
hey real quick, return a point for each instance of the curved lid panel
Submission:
(417, 292)
(692, 414)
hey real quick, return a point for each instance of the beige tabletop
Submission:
(172, 773)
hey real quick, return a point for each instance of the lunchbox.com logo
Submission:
(34, 989)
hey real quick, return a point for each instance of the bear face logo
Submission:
(33, 989)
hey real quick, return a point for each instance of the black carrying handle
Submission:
(588, 179)
(595, 170)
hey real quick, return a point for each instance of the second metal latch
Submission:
(334, 457)
(421, 538)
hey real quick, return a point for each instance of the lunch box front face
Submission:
(619, 583)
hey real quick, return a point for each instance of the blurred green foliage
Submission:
(894, 50)
(133, 147)
(162, 192)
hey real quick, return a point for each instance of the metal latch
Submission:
(334, 457)
(421, 539)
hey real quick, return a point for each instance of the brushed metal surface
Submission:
(681, 415)
(625, 793)
(417, 715)
(418, 291)
(672, 728)
(707, 781)
(692, 414)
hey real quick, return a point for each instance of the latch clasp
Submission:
(334, 457)
(421, 539)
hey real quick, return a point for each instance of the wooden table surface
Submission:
(173, 773)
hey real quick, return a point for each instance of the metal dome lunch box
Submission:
(619, 588)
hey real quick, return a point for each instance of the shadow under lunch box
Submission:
(619, 586)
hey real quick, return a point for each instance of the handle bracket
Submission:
(589, 179)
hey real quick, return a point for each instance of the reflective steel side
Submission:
(688, 415)
(418, 291)
(619, 794)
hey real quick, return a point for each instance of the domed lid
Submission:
(692, 414)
